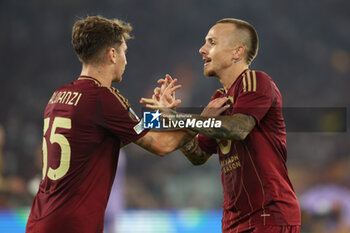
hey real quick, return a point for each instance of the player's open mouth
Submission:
(206, 61)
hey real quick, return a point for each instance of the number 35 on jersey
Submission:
(62, 141)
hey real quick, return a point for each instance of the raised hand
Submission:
(215, 107)
(164, 96)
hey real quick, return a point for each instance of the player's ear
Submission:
(112, 55)
(238, 53)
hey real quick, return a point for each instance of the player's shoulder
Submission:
(112, 95)
(81, 84)
(253, 80)
(260, 75)
(262, 78)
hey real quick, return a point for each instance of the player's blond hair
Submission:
(94, 34)
(250, 42)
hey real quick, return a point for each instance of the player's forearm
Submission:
(235, 127)
(173, 140)
(162, 143)
(193, 152)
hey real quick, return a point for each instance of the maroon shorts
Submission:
(274, 229)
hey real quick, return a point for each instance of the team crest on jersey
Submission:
(132, 115)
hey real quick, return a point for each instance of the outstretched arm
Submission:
(235, 127)
(162, 143)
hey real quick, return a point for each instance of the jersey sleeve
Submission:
(255, 95)
(118, 117)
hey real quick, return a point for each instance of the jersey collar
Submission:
(85, 77)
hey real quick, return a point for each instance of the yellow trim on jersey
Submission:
(249, 81)
(118, 97)
(244, 83)
(254, 80)
(124, 99)
(221, 90)
(85, 78)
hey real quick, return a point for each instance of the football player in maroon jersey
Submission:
(251, 141)
(85, 124)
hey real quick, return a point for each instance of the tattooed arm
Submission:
(194, 153)
(235, 127)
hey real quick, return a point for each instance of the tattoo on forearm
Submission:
(187, 138)
(235, 127)
(194, 153)
(190, 146)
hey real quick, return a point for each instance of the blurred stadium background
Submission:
(304, 47)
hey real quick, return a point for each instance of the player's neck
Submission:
(229, 76)
(98, 72)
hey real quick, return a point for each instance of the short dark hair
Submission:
(95, 33)
(252, 45)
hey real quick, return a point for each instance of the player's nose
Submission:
(202, 50)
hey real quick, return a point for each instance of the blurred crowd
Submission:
(304, 47)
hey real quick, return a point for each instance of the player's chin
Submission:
(209, 73)
(118, 79)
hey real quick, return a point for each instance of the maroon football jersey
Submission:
(257, 190)
(84, 126)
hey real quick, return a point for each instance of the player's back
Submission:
(79, 161)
